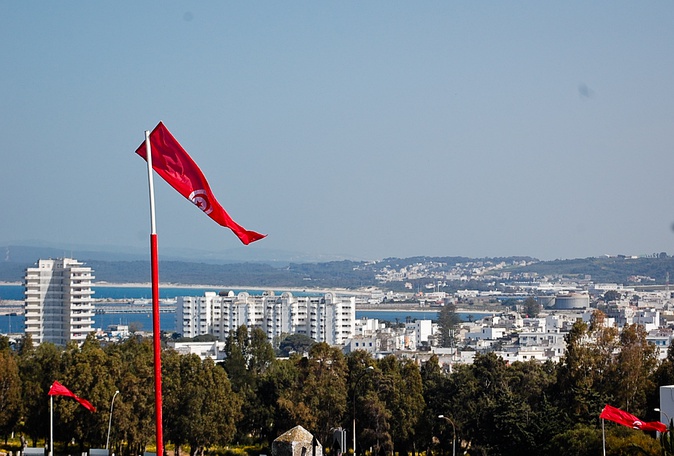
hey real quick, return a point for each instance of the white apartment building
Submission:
(328, 318)
(418, 332)
(58, 301)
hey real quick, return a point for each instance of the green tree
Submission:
(261, 353)
(635, 365)
(667, 440)
(376, 433)
(4, 343)
(252, 356)
(10, 391)
(400, 388)
(208, 407)
(172, 395)
(581, 440)
(611, 295)
(448, 321)
(309, 391)
(325, 387)
(489, 390)
(236, 358)
(85, 371)
(663, 375)
(294, 397)
(132, 365)
(585, 374)
(39, 367)
(360, 383)
(436, 392)
(531, 307)
(295, 343)
(275, 391)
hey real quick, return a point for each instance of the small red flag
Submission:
(59, 390)
(177, 168)
(626, 419)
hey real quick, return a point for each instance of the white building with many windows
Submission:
(58, 301)
(326, 318)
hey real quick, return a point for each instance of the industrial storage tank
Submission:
(546, 301)
(572, 301)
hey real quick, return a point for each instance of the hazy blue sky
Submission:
(369, 129)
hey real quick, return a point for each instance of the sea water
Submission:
(143, 321)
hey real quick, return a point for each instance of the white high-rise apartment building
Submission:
(58, 306)
(328, 318)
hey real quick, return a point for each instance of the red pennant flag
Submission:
(626, 419)
(177, 168)
(59, 390)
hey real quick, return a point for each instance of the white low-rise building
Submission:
(486, 333)
(214, 350)
(662, 339)
(524, 354)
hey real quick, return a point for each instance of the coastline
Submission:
(399, 308)
(104, 284)
(223, 287)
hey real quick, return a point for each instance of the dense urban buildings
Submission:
(326, 318)
(519, 318)
(58, 305)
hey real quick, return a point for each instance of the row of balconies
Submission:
(82, 310)
(84, 273)
(81, 291)
(82, 304)
(88, 281)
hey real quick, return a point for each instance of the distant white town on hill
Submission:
(56, 288)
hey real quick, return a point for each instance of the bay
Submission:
(14, 324)
(15, 292)
(143, 321)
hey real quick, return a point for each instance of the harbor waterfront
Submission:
(13, 324)
(141, 316)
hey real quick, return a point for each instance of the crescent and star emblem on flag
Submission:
(200, 198)
(627, 419)
(176, 167)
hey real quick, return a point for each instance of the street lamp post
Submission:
(663, 413)
(112, 403)
(360, 377)
(443, 417)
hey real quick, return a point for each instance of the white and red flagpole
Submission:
(178, 169)
(51, 426)
(603, 437)
(156, 334)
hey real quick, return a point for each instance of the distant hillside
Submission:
(623, 270)
(31, 253)
(340, 274)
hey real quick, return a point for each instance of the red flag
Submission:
(177, 168)
(626, 419)
(59, 390)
